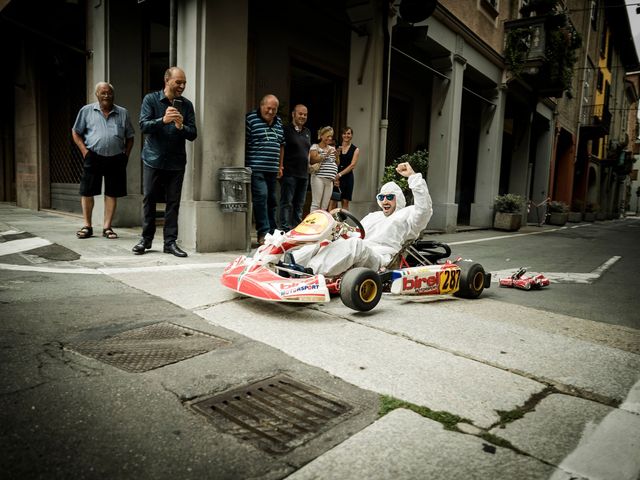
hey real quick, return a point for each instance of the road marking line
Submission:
(162, 268)
(112, 270)
(501, 237)
(22, 245)
(29, 268)
(564, 277)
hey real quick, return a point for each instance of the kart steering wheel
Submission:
(342, 215)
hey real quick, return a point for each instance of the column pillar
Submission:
(489, 156)
(123, 71)
(519, 174)
(212, 50)
(364, 107)
(444, 139)
(542, 169)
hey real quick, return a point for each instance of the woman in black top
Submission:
(343, 184)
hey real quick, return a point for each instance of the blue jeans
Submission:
(263, 192)
(293, 193)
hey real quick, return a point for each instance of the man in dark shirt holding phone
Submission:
(168, 120)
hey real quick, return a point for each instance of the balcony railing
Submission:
(596, 117)
(541, 51)
(527, 38)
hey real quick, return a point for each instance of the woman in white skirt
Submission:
(323, 153)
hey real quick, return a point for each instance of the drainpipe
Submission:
(386, 64)
(584, 71)
(173, 32)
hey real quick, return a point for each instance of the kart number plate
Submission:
(450, 280)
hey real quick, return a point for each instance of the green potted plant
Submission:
(419, 161)
(558, 213)
(508, 212)
(575, 214)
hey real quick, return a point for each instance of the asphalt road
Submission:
(539, 385)
(572, 250)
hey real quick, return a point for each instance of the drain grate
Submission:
(149, 347)
(276, 414)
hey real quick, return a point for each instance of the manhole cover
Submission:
(276, 414)
(149, 347)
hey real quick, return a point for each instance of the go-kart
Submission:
(525, 282)
(420, 268)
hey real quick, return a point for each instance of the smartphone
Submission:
(177, 104)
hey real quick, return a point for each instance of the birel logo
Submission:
(420, 284)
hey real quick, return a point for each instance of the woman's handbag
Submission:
(314, 168)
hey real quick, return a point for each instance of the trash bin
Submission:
(234, 186)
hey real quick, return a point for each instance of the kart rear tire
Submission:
(361, 289)
(472, 277)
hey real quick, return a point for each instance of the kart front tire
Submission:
(471, 279)
(361, 289)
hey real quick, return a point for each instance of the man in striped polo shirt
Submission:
(264, 151)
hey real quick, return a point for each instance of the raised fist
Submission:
(405, 169)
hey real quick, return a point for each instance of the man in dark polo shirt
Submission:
(295, 165)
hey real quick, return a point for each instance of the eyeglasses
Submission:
(388, 196)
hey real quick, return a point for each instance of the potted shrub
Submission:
(419, 161)
(508, 212)
(575, 214)
(590, 212)
(558, 213)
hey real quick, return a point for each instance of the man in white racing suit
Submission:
(386, 230)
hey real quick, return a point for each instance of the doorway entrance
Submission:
(323, 93)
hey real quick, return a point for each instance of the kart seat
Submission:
(420, 252)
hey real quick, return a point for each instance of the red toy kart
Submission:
(269, 276)
(519, 280)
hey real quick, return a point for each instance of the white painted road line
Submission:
(113, 270)
(562, 277)
(163, 268)
(22, 245)
(503, 237)
(30, 268)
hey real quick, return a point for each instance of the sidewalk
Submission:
(506, 398)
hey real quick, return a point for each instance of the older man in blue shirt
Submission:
(168, 119)
(104, 135)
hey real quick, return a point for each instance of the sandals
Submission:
(84, 232)
(109, 233)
